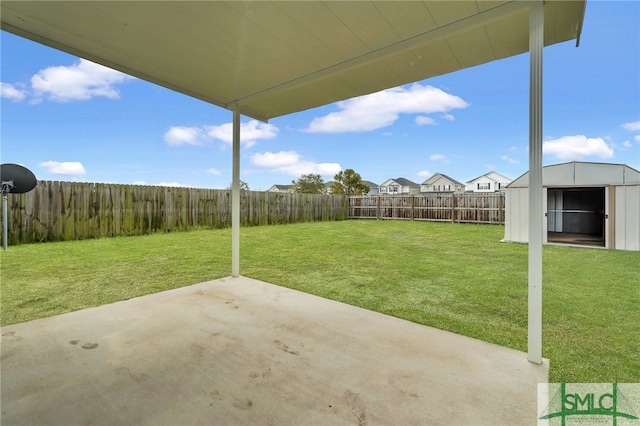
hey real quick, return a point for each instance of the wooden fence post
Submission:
(454, 199)
(412, 206)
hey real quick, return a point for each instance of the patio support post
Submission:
(4, 221)
(235, 198)
(536, 43)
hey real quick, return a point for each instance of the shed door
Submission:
(554, 210)
(576, 216)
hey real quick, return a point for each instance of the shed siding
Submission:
(598, 175)
(517, 215)
(627, 212)
(631, 177)
(556, 176)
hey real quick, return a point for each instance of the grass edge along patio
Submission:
(457, 277)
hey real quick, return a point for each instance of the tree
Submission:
(309, 184)
(244, 186)
(350, 183)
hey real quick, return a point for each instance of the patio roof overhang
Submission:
(269, 58)
(265, 59)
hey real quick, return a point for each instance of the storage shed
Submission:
(596, 204)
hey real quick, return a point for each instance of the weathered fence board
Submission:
(60, 211)
(468, 208)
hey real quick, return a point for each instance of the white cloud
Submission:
(9, 91)
(382, 109)
(489, 166)
(71, 168)
(290, 162)
(422, 120)
(275, 160)
(178, 135)
(627, 144)
(250, 132)
(424, 173)
(509, 159)
(577, 147)
(634, 126)
(214, 172)
(448, 116)
(439, 157)
(79, 82)
(139, 182)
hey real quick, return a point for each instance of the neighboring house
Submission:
(281, 188)
(596, 204)
(441, 183)
(327, 187)
(373, 188)
(398, 186)
(489, 182)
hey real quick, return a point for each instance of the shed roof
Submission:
(270, 58)
(578, 173)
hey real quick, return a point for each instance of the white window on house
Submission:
(447, 187)
(484, 186)
(393, 188)
(436, 188)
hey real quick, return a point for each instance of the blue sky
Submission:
(69, 119)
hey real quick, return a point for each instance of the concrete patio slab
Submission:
(238, 351)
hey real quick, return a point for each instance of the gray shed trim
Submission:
(578, 173)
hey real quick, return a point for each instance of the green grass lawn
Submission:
(456, 277)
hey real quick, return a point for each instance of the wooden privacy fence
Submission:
(61, 211)
(468, 208)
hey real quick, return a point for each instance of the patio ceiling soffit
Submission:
(267, 59)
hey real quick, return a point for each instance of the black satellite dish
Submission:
(16, 179)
